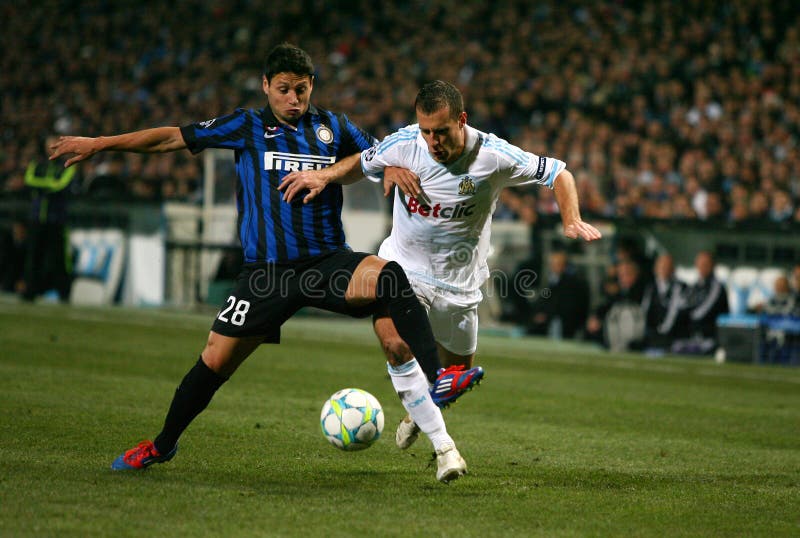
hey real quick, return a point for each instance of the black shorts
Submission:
(267, 294)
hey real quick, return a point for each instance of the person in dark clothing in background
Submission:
(48, 262)
(561, 307)
(618, 323)
(705, 299)
(12, 257)
(663, 305)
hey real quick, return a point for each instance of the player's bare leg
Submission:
(224, 354)
(393, 346)
(363, 284)
(449, 358)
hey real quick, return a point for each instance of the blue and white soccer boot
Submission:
(450, 384)
(454, 381)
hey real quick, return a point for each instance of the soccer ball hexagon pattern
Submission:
(351, 419)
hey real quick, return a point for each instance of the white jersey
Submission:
(444, 239)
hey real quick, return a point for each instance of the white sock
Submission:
(412, 387)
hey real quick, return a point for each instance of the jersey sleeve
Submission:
(354, 138)
(225, 132)
(388, 153)
(521, 167)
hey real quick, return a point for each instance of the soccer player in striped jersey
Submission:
(449, 176)
(295, 253)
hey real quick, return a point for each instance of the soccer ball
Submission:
(351, 419)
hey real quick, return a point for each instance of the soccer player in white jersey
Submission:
(449, 176)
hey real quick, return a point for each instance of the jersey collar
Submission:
(471, 138)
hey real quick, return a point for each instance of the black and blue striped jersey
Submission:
(270, 229)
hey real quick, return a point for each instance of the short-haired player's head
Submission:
(288, 82)
(288, 58)
(442, 120)
(437, 95)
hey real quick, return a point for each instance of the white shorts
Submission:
(453, 315)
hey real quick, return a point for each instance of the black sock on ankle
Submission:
(191, 397)
(394, 291)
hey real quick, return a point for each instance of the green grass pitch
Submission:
(561, 440)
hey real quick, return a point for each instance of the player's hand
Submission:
(296, 182)
(406, 180)
(80, 147)
(583, 230)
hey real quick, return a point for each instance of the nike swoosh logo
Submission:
(267, 135)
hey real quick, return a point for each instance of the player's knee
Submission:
(217, 357)
(392, 283)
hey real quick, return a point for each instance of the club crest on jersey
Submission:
(324, 134)
(467, 186)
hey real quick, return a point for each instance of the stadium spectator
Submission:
(714, 211)
(561, 307)
(681, 208)
(783, 302)
(663, 305)
(288, 265)
(448, 177)
(706, 299)
(618, 323)
(781, 209)
(759, 206)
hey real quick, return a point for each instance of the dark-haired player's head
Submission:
(441, 117)
(288, 82)
(287, 58)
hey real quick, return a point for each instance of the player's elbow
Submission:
(171, 139)
(565, 177)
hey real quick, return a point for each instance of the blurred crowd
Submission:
(678, 110)
(646, 305)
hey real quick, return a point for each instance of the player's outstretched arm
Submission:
(344, 172)
(567, 198)
(157, 140)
